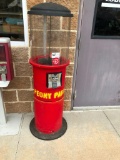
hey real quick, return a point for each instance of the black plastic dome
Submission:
(50, 9)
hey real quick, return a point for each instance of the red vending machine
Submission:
(49, 40)
(6, 73)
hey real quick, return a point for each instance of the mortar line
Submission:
(20, 129)
(111, 124)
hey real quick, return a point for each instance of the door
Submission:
(98, 66)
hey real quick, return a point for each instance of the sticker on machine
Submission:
(54, 80)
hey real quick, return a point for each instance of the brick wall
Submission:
(18, 96)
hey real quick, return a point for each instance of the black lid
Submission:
(50, 9)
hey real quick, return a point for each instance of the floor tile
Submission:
(8, 147)
(114, 117)
(90, 135)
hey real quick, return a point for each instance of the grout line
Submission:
(20, 129)
(17, 96)
(61, 23)
(32, 106)
(31, 83)
(21, 62)
(14, 69)
(111, 124)
(29, 89)
(50, 47)
(68, 76)
(18, 102)
(71, 31)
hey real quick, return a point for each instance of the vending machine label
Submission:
(54, 80)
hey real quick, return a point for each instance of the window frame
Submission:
(24, 43)
(93, 26)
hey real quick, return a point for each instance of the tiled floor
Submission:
(91, 135)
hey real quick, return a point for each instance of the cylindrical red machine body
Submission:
(48, 101)
(49, 55)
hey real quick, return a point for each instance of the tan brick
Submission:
(69, 70)
(67, 105)
(23, 69)
(9, 96)
(71, 54)
(31, 3)
(37, 38)
(68, 83)
(36, 51)
(55, 49)
(67, 95)
(57, 38)
(65, 23)
(39, 51)
(20, 54)
(20, 83)
(60, 39)
(35, 22)
(74, 22)
(32, 82)
(32, 106)
(18, 107)
(73, 39)
(73, 5)
(55, 23)
(25, 95)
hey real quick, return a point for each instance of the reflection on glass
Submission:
(11, 20)
(106, 22)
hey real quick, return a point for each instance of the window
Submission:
(106, 23)
(13, 21)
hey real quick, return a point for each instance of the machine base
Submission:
(44, 136)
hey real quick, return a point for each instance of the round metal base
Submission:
(44, 136)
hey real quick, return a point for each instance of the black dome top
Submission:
(50, 9)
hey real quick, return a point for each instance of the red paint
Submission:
(40, 75)
(55, 61)
(6, 56)
(48, 115)
(48, 112)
